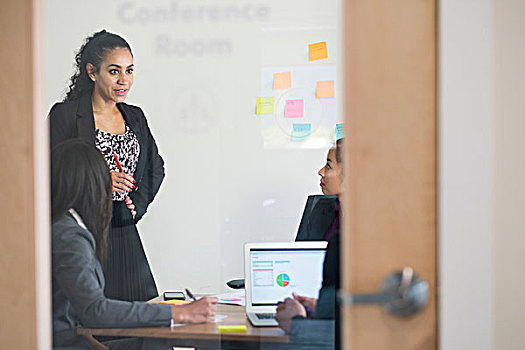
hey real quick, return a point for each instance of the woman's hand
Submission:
(200, 311)
(310, 303)
(287, 311)
(122, 182)
(131, 206)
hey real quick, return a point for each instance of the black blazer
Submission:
(74, 119)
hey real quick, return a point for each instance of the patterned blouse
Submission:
(125, 146)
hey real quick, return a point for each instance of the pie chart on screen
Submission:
(283, 280)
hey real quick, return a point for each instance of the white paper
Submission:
(233, 298)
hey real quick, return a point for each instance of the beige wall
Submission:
(509, 175)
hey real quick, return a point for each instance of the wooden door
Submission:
(25, 280)
(390, 195)
(18, 298)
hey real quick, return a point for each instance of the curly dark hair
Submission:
(92, 51)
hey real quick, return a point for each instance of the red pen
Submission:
(118, 163)
(119, 166)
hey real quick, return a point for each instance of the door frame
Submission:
(390, 198)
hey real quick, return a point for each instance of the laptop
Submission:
(274, 270)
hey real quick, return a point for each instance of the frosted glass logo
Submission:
(166, 45)
(193, 12)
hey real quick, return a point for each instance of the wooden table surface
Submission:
(204, 336)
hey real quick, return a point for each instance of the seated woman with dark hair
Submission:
(81, 214)
(310, 321)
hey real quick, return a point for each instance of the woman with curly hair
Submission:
(94, 110)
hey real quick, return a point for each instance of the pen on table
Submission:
(190, 294)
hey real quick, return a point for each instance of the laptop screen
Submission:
(276, 273)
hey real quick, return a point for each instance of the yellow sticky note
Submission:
(230, 328)
(282, 80)
(318, 51)
(325, 89)
(265, 105)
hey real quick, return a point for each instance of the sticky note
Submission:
(301, 131)
(232, 328)
(339, 131)
(282, 80)
(325, 89)
(265, 105)
(293, 109)
(318, 51)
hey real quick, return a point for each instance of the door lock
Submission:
(402, 294)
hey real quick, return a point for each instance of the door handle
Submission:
(403, 294)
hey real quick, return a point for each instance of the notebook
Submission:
(274, 270)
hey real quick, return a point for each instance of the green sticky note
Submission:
(339, 131)
(301, 131)
(265, 105)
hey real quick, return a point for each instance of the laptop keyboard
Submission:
(265, 316)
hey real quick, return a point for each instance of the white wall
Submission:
(482, 176)
(509, 175)
(466, 180)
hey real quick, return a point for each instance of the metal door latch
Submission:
(402, 293)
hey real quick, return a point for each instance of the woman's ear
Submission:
(91, 70)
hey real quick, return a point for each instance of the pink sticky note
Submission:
(293, 109)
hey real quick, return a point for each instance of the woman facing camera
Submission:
(81, 193)
(94, 110)
(310, 321)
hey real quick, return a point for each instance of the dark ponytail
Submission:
(92, 51)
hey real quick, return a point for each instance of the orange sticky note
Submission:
(282, 80)
(318, 51)
(325, 89)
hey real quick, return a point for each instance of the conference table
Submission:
(207, 335)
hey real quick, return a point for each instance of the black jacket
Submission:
(74, 119)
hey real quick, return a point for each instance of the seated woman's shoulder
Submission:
(66, 228)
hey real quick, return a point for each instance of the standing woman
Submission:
(94, 110)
